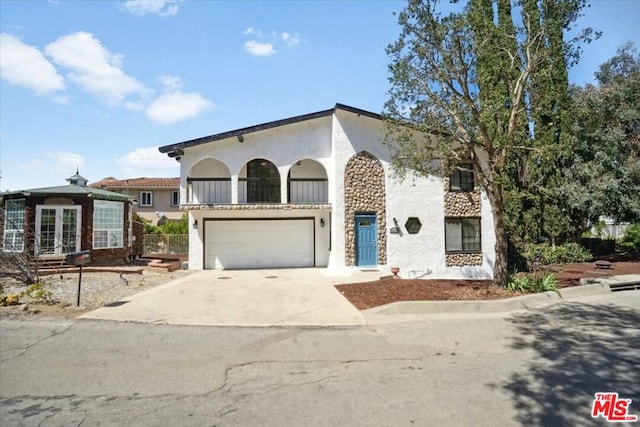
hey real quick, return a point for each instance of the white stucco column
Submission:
(234, 189)
(284, 172)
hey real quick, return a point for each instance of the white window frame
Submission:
(59, 209)
(175, 198)
(115, 229)
(13, 236)
(149, 195)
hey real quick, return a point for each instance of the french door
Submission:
(57, 229)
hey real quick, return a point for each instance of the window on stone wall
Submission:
(462, 178)
(462, 234)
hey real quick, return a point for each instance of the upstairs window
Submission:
(146, 198)
(13, 238)
(263, 182)
(462, 179)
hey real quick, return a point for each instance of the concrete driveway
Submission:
(301, 296)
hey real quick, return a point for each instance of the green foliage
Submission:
(603, 177)
(599, 227)
(631, 239)
(148, 227)
(176, 227)
(533, 284)
(465, 87)
(545, 254)
(167, 226)
(519, 284)
(37, 291)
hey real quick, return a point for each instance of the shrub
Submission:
(546, 254)
(37, 291)
(631, 239)
(519, 284)
(9, 299)
(535, 284)
(547, 282)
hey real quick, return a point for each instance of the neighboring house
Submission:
(157, 197)
(318, 190)
(608, 228)
(54, 221)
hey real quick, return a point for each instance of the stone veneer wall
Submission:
(462, 204)
(364, 192)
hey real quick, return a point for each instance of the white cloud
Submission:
(176, 107)
(147, 162)
(253, 32)
(289, 39)
(259, 49)
(61, 163)
(94, 67)
(171, 83)
(265, 44)
(25, 66)
(156, 7)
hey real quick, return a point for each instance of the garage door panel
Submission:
(259, 243)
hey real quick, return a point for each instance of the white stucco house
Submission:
(317, 190)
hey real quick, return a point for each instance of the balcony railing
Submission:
(308, 191)
(218, 191)
(208, 190)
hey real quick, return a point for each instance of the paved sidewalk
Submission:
(410, 310)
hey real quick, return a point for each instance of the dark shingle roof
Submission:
(70, 190)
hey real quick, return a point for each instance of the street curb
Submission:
(489, 306)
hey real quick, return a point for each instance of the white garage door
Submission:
(259, 243)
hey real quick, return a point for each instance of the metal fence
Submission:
(166, 244)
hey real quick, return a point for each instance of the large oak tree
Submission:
(470, 85)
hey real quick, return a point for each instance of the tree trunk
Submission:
(500, 268)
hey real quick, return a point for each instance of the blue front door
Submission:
(366, 240)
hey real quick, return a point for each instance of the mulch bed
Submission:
(373, 294)
(385, 291)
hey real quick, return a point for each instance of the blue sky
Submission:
(99, 85)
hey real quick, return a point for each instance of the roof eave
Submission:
(177, 150)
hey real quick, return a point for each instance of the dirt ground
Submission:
(100, 289)
(380, 292)
(96, 290)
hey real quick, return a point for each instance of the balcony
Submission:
(208, 191)
(259, 183)
(214, 191)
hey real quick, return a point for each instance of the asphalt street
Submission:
(539, 367)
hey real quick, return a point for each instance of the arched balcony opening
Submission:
(209, 182)
(307, 182)
(259, 182)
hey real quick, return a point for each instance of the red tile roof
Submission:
(113, 183)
